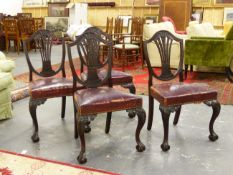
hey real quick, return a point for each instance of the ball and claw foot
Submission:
(140, 147)
(87, 129)
(82, 158)
(213, 137)
(35, 138)
(131, 114)
(165, 147)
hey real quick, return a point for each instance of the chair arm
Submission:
(207, 38)
(209, 52)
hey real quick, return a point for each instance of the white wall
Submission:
(11, 7)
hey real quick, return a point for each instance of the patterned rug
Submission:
(16, 164)
(217, 81)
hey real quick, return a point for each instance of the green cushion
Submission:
(229, 35)
(5, 80)
(5, 104)
(6, 65)
(217, 53)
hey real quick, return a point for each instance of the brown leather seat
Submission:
(118, 77)
(94, 100)
(181, 93)
(51, 87)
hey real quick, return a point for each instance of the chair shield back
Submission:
(88, 48)
(43, 41)
(163, 41)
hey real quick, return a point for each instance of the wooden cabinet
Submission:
(178, 10)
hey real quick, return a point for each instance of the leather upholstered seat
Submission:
(181, 93)
(118, 77)
(92, 101)
(51, 87)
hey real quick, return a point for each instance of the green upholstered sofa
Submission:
(211, 51)
(6, 84)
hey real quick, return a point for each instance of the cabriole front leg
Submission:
(81, 128)
(141, 121)
(165, 111)
(32, 109)
(216, 110)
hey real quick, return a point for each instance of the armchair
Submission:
(149, 30)
(210, 51)
(6, 82)
(6, 65)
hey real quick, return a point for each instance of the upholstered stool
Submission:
(172, 95)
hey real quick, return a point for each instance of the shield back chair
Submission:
(49, 85)
(117, 77)
(97, 98)
(172, 95)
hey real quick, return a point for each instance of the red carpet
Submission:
(18, 164)
(140, 76)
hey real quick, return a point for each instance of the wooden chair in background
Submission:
(26, 29)
(11, 33)
(109, 25)
(172, 95)
(38, 24)
(95, 98)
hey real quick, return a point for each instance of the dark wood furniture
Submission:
(2, 35)
(95, 98)
(123, 79)
(178, 10)
(111, 4)
(48, 86)
(166, 18)
(172, 95)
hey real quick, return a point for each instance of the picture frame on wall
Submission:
(57, 25)
(202, 2)
(228, 14)
(223, 1)
(58, 9)
(197, 16)
(152, 2)
(150, 19)
(59, 1)
(34, 3)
